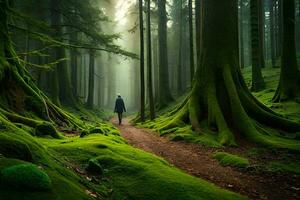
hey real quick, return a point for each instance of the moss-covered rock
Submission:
(227, 159)
(13, 148)
(45, 128)
(25, 176)
(94, 167)
(96, 130)
(84, 133)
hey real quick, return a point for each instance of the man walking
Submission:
(120, 107)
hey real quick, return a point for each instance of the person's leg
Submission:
(120, 117)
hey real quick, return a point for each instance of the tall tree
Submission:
(220, 96)
(257, 46)
(241, 34)
(91, 85)
(165, 96)
(142, 62)
(191, 39)
(272, 33)
(289, 84)
(180, 47)
(149, 62)
(198, 14)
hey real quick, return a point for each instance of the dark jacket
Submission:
(119, 106)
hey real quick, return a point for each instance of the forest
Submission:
(149, 99)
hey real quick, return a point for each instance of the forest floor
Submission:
(197, 160)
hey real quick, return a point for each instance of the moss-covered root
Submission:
(227, 159)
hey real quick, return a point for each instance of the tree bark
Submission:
(289, 84)
(241, 34)
(149, 62)
(257, 47)
(165, 96)
(142, 62)
(191, 40)
(91, 86)
(180, 48)
(272, 33)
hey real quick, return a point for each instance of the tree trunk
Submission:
(91, 86)
(191, 40)
(289, 84)
(241, 34)
(220, 96)
(180, 48)
(142, 62)
(74, 66)
(165, 96)
(198, 29)
(257, 47)
(149, 62)
(272, 33)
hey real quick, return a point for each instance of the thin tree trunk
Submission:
(149, 62)
(142, 67)
(257, 78)
(198, 29)
(272, 33)
(91, 86)
(191, 40)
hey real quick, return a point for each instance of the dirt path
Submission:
(196, 160)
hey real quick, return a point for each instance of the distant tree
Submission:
(91, 86)
(289, 84)
(191, 39)
(272, 32)
(257, 45)
(165, 96)
(142, 62)
(149, 62)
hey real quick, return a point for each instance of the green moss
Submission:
(25, 176)
(227, 159)
(14, 148)
(45, 128)
(132, 173)
(290, 167)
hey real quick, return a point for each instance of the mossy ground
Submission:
(119, 171)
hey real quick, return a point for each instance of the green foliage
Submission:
(227, 159)
(25, 176)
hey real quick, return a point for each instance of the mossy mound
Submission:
(45, 128)
(13, 148)
(227, 159)
(25, 177)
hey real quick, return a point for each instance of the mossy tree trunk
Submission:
(257, 46)
(241, 34)
(220, 96)
(198, 14)
(165, 96)
(289, 84)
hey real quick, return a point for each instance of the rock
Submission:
(94, 167)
